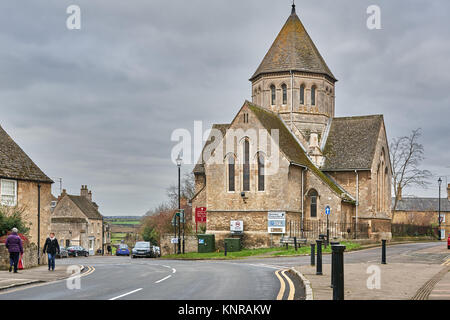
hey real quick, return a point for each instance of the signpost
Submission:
(328, 212)
(276, 222)
(200, 216)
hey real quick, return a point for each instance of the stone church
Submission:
(286, 152)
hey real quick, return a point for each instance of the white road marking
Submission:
(174, 270)
(163, 279)
(126, 294)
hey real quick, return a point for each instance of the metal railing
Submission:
(311, 229)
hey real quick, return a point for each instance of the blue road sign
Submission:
(327, 210)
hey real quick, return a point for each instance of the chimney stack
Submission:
(84, 192)
(63, 193)
(448, 192)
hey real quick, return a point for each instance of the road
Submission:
(120, 278)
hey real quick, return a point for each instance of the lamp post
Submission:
(439, 206)
(179, 160)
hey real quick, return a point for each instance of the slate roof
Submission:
(289, 146)
(86, 207)
(294, 50)
(199, 168)
(351, 143)
(422, 204)
(15, 164)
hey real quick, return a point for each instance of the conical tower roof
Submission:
(293, 50)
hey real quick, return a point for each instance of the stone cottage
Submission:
(286, 155)
(76, 221)
(24, 186)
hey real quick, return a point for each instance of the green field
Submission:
(265, 252)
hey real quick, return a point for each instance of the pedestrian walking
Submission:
(51, 247)
(15, 248)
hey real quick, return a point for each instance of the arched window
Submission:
(246, 167)
(313, 203)
(273, 94)
(231, 174)
(284, 89)
(313, 95)
(260, 172)
(302, 94)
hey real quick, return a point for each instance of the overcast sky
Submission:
(97, 106)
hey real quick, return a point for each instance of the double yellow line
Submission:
(89, 270)
(446, 263)
(283, 278)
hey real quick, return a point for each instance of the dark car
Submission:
(142, 249)
(62, 253)
(77, 251)
(123, 250)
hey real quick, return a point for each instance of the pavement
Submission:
(410, 268)
(31, 276)
(410, 273)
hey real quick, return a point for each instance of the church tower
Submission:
(294, 81)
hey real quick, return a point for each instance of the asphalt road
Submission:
(114, 278)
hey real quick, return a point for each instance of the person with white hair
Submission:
(15, 248)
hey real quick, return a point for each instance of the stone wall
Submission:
(30, 257)
(169, 248)
(27, 199)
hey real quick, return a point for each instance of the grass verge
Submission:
(263, 252)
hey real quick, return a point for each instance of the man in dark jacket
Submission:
(52, 248)
(15, 248)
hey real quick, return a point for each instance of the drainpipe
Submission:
(357, 202)
(303, 211)
(39, 224)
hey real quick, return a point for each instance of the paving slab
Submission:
(398, 281)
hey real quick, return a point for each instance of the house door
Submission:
(91, 246)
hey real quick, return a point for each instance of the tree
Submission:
(406, 156)
(11, 217)
(187, 190)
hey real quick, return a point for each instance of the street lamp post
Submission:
(179, 160)
(439, 206)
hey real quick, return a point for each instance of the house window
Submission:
(231, 174)
(284, 89)
(8, 192)
(260, 172)
(246, 167)
(313, 96)
(302, 94)
(313, 203)
(273, 94)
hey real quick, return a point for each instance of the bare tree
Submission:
(187, 190)
(406, 155)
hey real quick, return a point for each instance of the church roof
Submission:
(351, 143)
(199, 168)
(15, 164)
(293, 50)
(86, 206)
(289, 146)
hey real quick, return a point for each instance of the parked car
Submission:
(142, 249)
(77, 251)
(123, 250)
(62, 253)
(157, 251)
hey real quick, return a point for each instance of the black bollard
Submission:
(225, 251)
(333, 243)
(313, 254)
(383, 251)
(338, 270)
(319, 258)
(295, 243)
